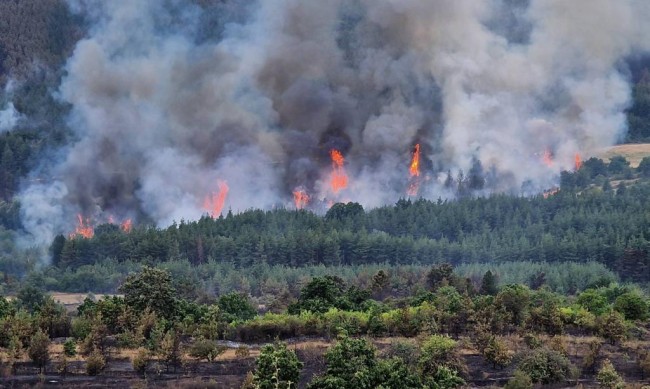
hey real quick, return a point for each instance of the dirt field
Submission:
(633, 152)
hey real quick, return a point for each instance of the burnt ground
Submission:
(229, 371)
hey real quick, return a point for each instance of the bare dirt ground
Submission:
(632, 152)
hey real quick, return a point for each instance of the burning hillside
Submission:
(297, 104)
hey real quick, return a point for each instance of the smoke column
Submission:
(170, 97)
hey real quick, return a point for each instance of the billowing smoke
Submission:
(9, 116)
(170, 97)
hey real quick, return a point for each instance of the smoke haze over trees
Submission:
(164, 100)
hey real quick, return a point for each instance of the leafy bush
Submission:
(206, 349)
(277, 368)
(519, 380)
(546, 366)
(95, 363)
(70, 348)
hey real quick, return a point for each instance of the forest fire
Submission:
(300, 198)
(214, 203)
(547, 158)
(338, 178)
(84, 228)
(550, 192)
(414, 172)
(578, 161)
(126, 225)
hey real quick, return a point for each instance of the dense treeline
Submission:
(447, 314)
(582, 222)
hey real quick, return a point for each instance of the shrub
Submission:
(140, 361)
(546, 366)
(437, 351)
(70, 348)
(242, 351)
(206, 349)
(277, 368)
(496, 353)
(95, 363)
(38, 349)
(519, 380)
(608, 378)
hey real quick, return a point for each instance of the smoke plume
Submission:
(171, 97)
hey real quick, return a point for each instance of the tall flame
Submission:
(213, 203)
(338, 178)
(547, 158)
(300, 198)
(578, 161)
(414, 169)
(414, 172)
(84, 228)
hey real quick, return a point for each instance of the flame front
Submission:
(213, 203)
(578, 161)
(338, 178)
(414, 172)
(84, 228)
(300, 198)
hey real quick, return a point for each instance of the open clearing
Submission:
(633, 152)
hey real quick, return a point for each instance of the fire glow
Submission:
(578, 161)
(414, 172)
(547, 158)
(300, 198)
(338, 178)
(84, 228)
(214, 203)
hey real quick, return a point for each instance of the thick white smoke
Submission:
(163, 110)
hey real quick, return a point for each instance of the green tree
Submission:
(496, 353)
(546, 366)
(612, 327)
(277, 368)
(632, 305)
(489, 284)
(438, 351)
(38, 349)
(515, 300)
(150, 288)
(236, 306)
(353, 363)
(439, 275)
(70, 348)
(608, 378)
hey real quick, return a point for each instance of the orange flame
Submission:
(300, 198)
(126, 225)
(338, 178)
(83, 229)
(550, 192)
(547, 158)
(578, 161)
(213, 203)
(414, 172)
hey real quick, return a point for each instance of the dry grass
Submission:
(632, 152)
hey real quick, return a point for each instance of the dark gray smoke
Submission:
(169, 97)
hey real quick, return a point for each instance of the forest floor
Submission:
(230, 370)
